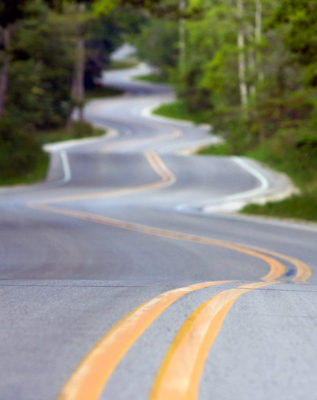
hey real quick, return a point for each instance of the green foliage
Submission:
(278, 124)
(179, 110)
(21, 156)
(104, 7)
(156, 35)
(79, 130)
(298, 19)
(40, 74)
(152, 78)
(102, 36)
(123, 64)
(196, 49)
(159, 8)
(209, 79)
(222, 149)
(302, 207)
(295, 153)
(101, 92)
(292, 152)
(41, 64)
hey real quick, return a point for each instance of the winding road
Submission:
(123, 278)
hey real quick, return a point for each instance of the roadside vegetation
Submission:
(123, 64)
(52, 53)
(79, 130)
(249, 68)
(102, 92)
(298, 162)
(178, 109)
(151, 78)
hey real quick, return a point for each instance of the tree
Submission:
(241, 55)
(40, 73)
(300, 35)
(76, 15)
(10, 13)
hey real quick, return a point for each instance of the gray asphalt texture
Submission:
(66, 281)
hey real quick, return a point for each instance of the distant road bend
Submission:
(123, 278)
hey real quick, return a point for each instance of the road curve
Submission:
(117, 284)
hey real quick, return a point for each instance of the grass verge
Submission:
(178, 110)
(301, 167)
(295, 157)
(101, 92)
(22, 160)
(36, 174)
(292, 161)
(302, 207)
(151, 78)
(79, 130)
(124, 64)
(28, 163)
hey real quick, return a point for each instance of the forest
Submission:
(247, 67)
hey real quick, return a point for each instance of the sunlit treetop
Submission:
(104, 7)
(159, 8)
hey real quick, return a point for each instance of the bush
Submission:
(20, 152)
(81, 129)
(301, 207)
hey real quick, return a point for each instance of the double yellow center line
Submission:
(90, 377)
(179, 375)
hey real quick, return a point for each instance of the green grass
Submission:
(221, 149)
(297, 164)
(37, 174)
(302, 171)
(124, 64)
(101, 92)
(79, 130)
(178, 110)
(303, 207)
(152, 78)
(39, 170)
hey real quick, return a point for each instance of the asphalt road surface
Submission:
(117, 284)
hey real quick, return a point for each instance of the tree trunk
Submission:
(78, 88)
(4, 73)
(182, 39)
(252, 70)
(258, 37)
(69, 118)
(241, 56)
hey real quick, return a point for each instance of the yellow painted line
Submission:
(160, 168)
(303, 270)
(277, 269)
(92, 374)
(140, 142)
(167, 178)
(89, 379)
(179, 375)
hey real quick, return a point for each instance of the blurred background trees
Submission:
(50, 53)
(248, 66)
